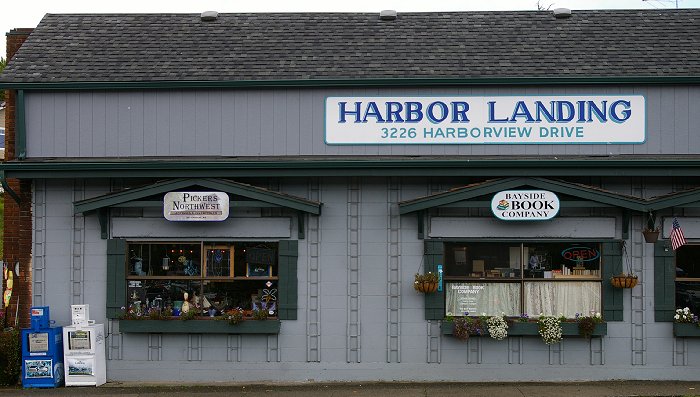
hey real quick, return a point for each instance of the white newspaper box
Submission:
(84, 358)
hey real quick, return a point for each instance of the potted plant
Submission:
(426, 283)
(651, 231)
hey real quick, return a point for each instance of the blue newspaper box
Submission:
(42, 351)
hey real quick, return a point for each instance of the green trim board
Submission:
(664, 281)
(20, 123)
(200, 326)
(686, 330)
(490, 187)
(328, 83)
(116, 277)
(612, 264)
(434, 253)
(532, 329)
(460, 197)
(370, 166)
(236, 188)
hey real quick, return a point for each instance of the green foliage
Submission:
(3, 63)
(10, 356)
(189, 315)
(2, 223)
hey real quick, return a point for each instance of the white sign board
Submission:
(525, 205)
(553, 119)
(195, 206)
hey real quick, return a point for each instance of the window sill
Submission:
(686, 330)
(196, 326)
(531, 329)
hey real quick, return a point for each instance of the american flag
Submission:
(677, 237)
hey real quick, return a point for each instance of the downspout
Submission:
(7, 188)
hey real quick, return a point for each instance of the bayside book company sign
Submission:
(563, 119)
(525, 205)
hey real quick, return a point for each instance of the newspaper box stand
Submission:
(84, 349)
(42, 351)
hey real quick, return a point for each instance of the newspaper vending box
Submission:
(84, 349)
(42, 351)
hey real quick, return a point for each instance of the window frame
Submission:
(287, 262)
(612, 299)
(522, 280)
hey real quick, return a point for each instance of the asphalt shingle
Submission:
(294, 46)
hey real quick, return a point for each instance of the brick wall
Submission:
(18, 217)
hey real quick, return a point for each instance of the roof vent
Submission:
(208, 16)
(387, 15)
(561, 13)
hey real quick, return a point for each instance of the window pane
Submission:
(478, 298)
(567, 298)
(144, 294)
(247, 295)
(218, 260)
(175, 259)
(688, 295)
(489, 260)
(255, 259)
(562, 260)
(688, 261)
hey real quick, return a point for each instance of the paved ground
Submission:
(593, 389)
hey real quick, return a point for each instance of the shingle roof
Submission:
(293, 46)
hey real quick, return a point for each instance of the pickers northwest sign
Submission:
(195, 206)
(553, 119)
(525, 205)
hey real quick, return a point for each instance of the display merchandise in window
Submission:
(552, 278)
(688, 277)
(207, 278)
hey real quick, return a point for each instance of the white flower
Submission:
(676, 317)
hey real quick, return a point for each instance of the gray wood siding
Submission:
(290, 122)
(133, 355)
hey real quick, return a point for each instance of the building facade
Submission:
(305, 167)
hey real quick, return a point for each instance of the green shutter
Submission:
(288, 252)
(612, 264)
(116, 277)
(435, 302)
(664, 281)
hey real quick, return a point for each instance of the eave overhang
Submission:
(300, 166)
(346, 82)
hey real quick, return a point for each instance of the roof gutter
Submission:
(318, 83)
(304, 167)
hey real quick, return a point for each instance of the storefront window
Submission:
(216, 276)
(513, 278)
(688, 277)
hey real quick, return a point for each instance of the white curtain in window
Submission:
(567, 298)
(477, 298)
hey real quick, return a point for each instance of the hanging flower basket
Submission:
(650, 236)
(624, 280)
(426, 283)
(426, 287)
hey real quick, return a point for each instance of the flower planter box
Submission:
(200, 327)
(686, 330)
(531, 329)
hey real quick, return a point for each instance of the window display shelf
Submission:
(200, 326)
(531, 329)
(686, 330)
